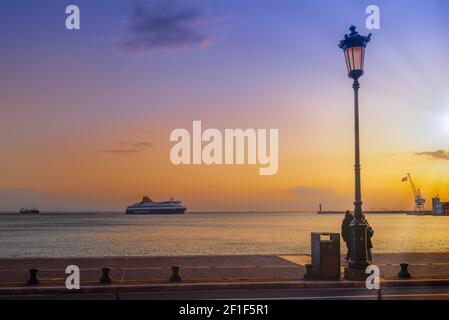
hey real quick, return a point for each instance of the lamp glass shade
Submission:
(355, 59)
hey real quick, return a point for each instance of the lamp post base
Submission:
(355, 274)
(358, 252)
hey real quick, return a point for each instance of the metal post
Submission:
(358, 192)
(105, 275)
(34, 279)
(175, 277)
(358, 226)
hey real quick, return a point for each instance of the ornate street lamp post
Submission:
(353, 46)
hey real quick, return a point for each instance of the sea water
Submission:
(116, 234)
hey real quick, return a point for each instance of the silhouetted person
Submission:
(346, 232)
(369, 243)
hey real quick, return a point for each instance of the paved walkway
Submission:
(138, 270)
(203, 269)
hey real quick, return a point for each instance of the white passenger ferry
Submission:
(148, 206)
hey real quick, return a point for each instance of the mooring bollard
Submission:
(175, 277)
(33, 280)
(105, 275)
(379, 294)
(309, 272)
(404, 274)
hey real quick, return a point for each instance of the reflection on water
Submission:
(203, 234)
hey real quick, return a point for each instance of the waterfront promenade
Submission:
(261, 272)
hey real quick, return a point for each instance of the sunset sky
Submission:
(86, 115)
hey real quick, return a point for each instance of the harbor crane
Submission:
(419, 199)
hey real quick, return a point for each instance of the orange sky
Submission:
(86, 126)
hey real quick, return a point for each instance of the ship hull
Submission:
(147, 211)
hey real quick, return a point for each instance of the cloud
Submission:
(121, 151)
(143, 145)
(130, 147)
(439, 154)
(167, 26)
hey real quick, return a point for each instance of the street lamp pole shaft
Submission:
(358, 226)
(358, 193)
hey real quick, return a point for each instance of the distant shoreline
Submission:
(367, 212)
(122, 212)
(205, 212)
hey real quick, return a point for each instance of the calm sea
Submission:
(68, 235)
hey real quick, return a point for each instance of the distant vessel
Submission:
(29, 211)
(148, 206)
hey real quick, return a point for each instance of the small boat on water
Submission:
(29, 211)
(148, 206)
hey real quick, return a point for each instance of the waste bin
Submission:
(326, 255)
